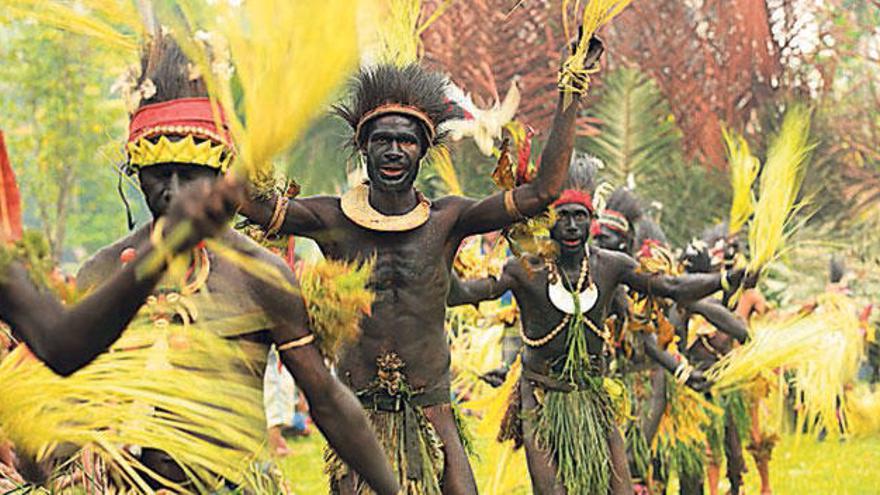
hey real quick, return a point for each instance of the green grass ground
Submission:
(799, 468)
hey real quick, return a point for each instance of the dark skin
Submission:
(412, 269)
(68, 338)
(336, 412)
(528, 279)
(612, 240)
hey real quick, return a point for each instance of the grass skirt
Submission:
(391, 430)
(573, 427)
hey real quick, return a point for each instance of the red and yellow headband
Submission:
(396, 108)
(189, 118)
(614, 220)
(582, 198)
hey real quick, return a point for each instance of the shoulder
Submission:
(520, 267)
(615, 258)
(106, 261)
(452, 203)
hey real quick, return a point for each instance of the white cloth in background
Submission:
(279, 392)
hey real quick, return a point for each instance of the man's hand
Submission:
(698, 382)
(206, 206)
(495, 377)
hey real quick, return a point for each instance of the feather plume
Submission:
(822, 350)
(779, 184)
(397, 37)
(744, 168)
(181, 390)
(117, 24)
(284, 71)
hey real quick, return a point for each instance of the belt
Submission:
(381, 401)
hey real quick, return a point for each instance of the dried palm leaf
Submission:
(744, 168)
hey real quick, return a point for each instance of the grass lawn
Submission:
(798, 468)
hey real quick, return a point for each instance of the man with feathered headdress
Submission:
(399, 367)
(179, 137)
(567, 402)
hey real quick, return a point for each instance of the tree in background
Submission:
(61, 127)
(641, 148)
(485, 45)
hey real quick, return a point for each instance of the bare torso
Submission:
(410, 279)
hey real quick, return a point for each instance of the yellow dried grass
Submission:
(744, 168)
(779, 184)
(179, 390)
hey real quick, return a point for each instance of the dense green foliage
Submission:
(64, 135)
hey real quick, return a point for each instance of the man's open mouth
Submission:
(571, 242)
(392, 172)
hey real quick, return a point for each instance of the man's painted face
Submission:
(394, 146)
(611, 239)
(572, 227)
(160, 183)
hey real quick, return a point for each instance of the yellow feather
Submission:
(169, 388)
(288, 58)
(114, 23)
(780, 183)
(822, 350)
(596, 14)
(744, 170)
(399, 25)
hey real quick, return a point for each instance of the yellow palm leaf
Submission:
(744, 170)
(779, 184)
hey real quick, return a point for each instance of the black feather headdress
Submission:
(409, 90)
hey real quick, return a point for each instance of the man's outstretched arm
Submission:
(463, 292)
(67, 339)
(502, 209)
(720, 317)
(334, 409)
(683, 288)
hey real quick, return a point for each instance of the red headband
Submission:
(185, 116)
(574, 196)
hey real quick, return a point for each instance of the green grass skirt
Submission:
(573, 427)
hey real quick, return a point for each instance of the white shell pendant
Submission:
(563, 300)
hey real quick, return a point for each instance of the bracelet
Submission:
(297, 343)
(510, 206)
(278, 216)
(683, 372)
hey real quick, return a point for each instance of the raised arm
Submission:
(720, 317)
(67, 339)
(334, 409)
(498, 211)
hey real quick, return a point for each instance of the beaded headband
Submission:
(189, 118)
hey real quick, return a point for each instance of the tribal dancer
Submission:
(68, 338)
(706, 345)
(399, 367)
(567, 400)
(642, 331)
(174, 140)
